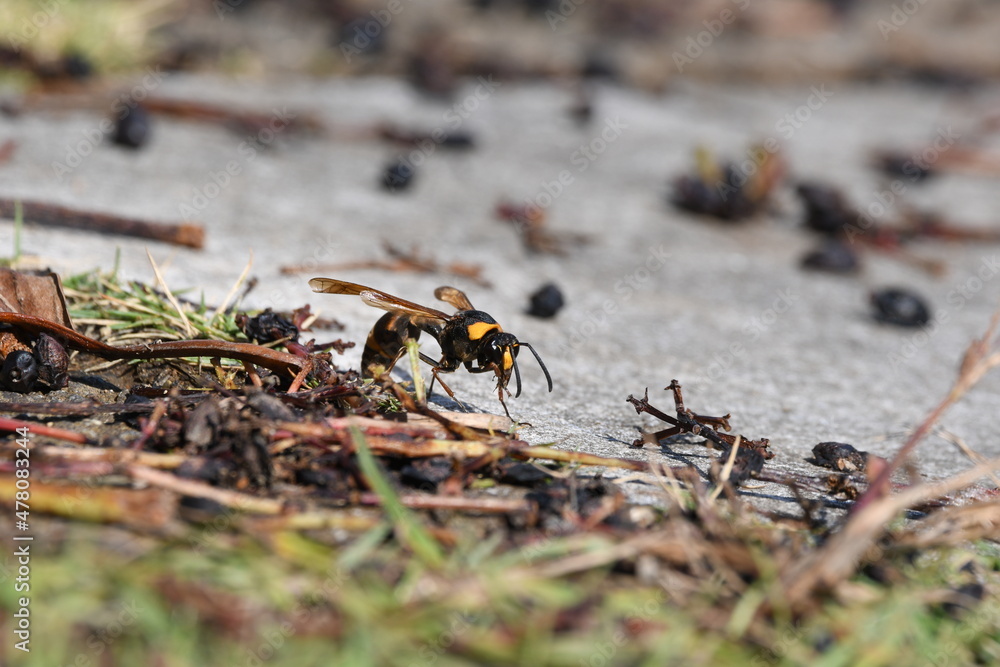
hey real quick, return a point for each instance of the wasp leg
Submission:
(399, 355)
(434, 372)
(506, 411)
(435, 367)
(443, 366)
(501, 386)
(480, 369)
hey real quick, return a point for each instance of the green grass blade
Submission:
(413, 351)
(424, 546)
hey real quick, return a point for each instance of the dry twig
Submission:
(184, 234)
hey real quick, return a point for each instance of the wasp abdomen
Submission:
(386, 341)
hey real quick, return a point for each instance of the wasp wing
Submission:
(455, 297)
(334, 286)
(379, 299)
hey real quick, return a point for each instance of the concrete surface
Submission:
(809, 366)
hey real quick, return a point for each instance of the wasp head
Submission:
(501, 352)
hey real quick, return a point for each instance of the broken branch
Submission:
(50, 215)
(274, 360)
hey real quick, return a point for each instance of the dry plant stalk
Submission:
(840, 556)
(112, 455)
(955, 525)
(186, 234)
(979, 358)
(493, 448)
(274, 360)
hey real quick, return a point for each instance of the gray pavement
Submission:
(657, 294)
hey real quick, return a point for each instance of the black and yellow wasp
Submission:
(470, 337)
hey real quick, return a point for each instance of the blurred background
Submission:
(634, 42)
(790, 206)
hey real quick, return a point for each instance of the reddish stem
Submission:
(34, 428)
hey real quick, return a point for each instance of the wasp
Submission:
(470, 337)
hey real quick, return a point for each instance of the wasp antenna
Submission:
(548, 378)
(517, 376)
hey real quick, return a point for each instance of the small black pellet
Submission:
(19, 372)
(132, 129)
(900, 307)
(397, 176)
(269, 326)
(832, 256)
(546, 302)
